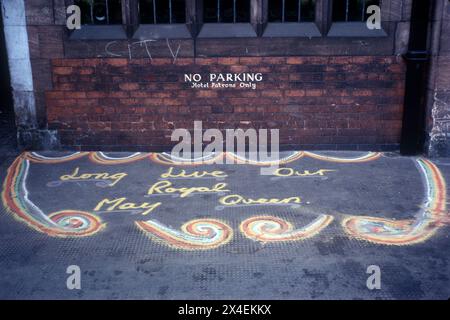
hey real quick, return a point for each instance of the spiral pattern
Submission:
(274, 229)
(61, 224)
(200, 234)
(406, 232)
(76, 223)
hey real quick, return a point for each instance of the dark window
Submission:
(100, 11)
(226, 11)
(352, 10)
(162, 11)
(292, 10)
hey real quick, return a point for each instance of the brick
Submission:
(129, 86)
(295, 93)
(340, 60)
(313, 92)
(85, 71)
(362, 60)
(117, 62)
(228, 61)
(273, 60)
(63, 70)
(205, 61)
(55, 95)
(154, 102)
(240, 69)
(161, 62)
(184, 61)
(96, 94)
(168, 101)
(272, 93)
(250, 61)
(67, 62)
(362, 93)
(118, 94)
(206, 94)
(328, 100)
(74, 95)
(295, 60)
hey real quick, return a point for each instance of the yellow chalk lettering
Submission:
(96, 176)
(292, 199)
(120, 204)
(115, 203)
(70, 176)
(284, 172)
(170, 173)
(289, 172)
(158, 187)
(235, 199)
(165, 187)
(230, 200)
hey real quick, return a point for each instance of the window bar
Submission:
(170, 11)
(154, 11)
(234, 11)
(363, 10)
(299, 10)
(91, 3)
(347, 9)
(218, 10)
(107, 11)
(282, 10)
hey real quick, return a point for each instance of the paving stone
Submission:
(368, 209)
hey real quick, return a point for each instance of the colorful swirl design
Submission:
(274, 229)
(39, 158)
(201, 234)
(406, 232)
(67, 223)
(240, 160)
(371, 156)
(102, 158)
(168, 159)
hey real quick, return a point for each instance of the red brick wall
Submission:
(316, 102)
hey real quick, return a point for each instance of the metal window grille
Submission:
(162, 11)
(352, 10)
(226, 11)
(292, 10)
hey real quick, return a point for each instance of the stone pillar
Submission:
(15, 28)
(438, 86)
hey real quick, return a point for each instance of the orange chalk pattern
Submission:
(66, 223)
(38, 158)
(200, 234)
(102, 158)
(274, 229)
(406, 232)
(370, 156)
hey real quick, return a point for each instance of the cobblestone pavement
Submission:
(139, 227)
